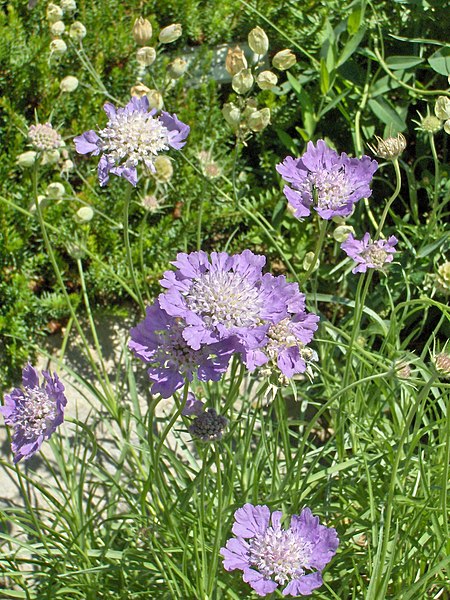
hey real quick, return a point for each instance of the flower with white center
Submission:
(270, 556)
(224, 297)
(34, 411)
(368, 254)
(43, 137)
(325, 181)
(158, 341)
(133, 135)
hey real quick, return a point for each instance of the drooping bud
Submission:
(284, 59)
(390, 148)
(58, 47)
(26, 159)
(139, 90)
(258, 41)
(155, 99)
(170, 33)
(146, 56)
(177, 67)
(242, 81)
(235, 61)
(55, 190)
(68, 84)
(163, 169)
(209, 426)
(57, 28)
(54, 13)
(232, 114)
(142, 31)
(84, 214)
(259, 119)
(266, 80)
(77, 31)
(341, 233)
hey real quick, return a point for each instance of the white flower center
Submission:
(375, 255)
(330, 189)
(35, 412)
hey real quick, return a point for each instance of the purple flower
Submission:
(329, 183)
(224, 297)
(35, 411)
(368, 254)
(132, 136)
(193, 407)
(270, 556)
(284, 347)
(158, 341)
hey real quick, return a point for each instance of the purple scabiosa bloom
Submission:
(284, 347)
(158, 341)
(368, 254)
(193, 407)
(270, 556)
(132, 136)
(223, 297)
(34, 411)
(325, 181)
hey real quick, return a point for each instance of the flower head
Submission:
(158, 341)
(208, 426)
(132, 136)
(35, 411)
(325, 181)
(44, 137)
(390, 148)
(224, 297)
(368, 254)
(270, 556)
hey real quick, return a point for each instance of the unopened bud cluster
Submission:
(390, 148)
(54, 14)
(209, 426)
(43, 137)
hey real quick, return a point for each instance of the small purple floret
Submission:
(133, 135)
(193, 407)
(323, 180)
(158, 341)
(368, 254)
(34, 411)
(270, 556)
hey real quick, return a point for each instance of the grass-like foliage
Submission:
(224, 231)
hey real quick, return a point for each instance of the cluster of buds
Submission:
(77, 30)
(245, 117)
(47, 146)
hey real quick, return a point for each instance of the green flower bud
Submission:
(26, 159)
(170, 33)
(258, 41)
(164, 169)
(284, 59)
(68, 84)
(77, 31)
(266, 80)
(431, 124)
(242, 81)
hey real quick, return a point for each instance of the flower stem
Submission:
(126, 239)
(436, 179)
(322, 231)
(398, 185)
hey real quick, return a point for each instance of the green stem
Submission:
(322, 231)
(398, 185)
(436, 178)
(126, 239)
(219, 519)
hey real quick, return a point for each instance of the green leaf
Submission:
(396, 63)
(351, 46)
(354, 21)
(440, 61)
(387, 114)
(324, 77)
(286, 140)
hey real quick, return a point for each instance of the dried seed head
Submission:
(266, 80)
(163, 169)
(77, 31)
(444, 277)
(139, 90)
(68, 5)
(150, 203)
(235, 61)
(258, 41)
(177, 67)
(84, 214)
(284, 59)
(54, 13)
(242, 81)
(170, 33)
(55, 190)
(58, 47)
(232, 114)
(57, 28)
(155, 99)
(68, 84)
(142, 31)
(390, 148)
(146, 56)
(259, 119)
(26, 159)
(442, 364)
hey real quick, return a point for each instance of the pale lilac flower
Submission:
(34, 411)
(158, 341)
(325, 181)
(368, 254)
(208, 426)
(193, 406)
(43, 137)
(224, 297)
(133, 135)
(270, 556)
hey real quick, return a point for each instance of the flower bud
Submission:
(55, 190)
(177, 67)
(232, 114)
(235, 61)
(84, 214)
(170, 33)
(341, 233)
(26, 159)
(444, 277)
(163, 169)
(308, 261)
(283, 60)
(431, 124)
(209, 426)
(193, 406)
(75, 250)
(442, 364)
(77, 31)
(146, 56)
(390, 148)
(54, 13)
(150, 203)
(139, 90)
(67, 166)
(68, 5)
(57, 28)
(68, 84)
(259, 119)
(50, 157)
(258, 41)
(58, 47)
(266, 80)
(442, 111)
(142, 31)
(242, 82)
(155, 99)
